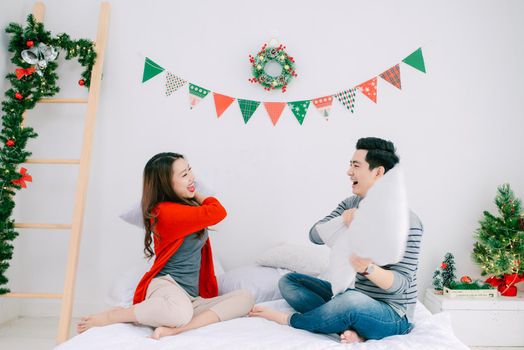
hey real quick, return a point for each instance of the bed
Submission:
(430, 332)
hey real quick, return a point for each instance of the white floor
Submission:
(39, 333)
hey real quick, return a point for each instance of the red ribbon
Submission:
(25, 177)
(22, 72)
(506, 284)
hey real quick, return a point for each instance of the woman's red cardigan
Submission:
(175, 222)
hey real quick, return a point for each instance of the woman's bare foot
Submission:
(269, 314)
(98, 320)
(160, 332)
(350, 336)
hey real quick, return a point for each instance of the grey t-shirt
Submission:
(184, 265)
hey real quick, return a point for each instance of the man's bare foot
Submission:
(269, 314)
(160, 332)
(350, 336)
(98, 320)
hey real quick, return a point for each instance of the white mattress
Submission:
(430, 332)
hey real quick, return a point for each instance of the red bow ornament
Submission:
(22, 72)
(25, 177)
(506, 284)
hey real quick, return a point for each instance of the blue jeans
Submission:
(319, 312)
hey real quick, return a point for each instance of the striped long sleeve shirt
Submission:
(402, 295)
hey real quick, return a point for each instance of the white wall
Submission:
(457, 128)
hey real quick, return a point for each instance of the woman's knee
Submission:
(176, 313)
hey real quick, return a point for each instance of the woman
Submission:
(180, 291)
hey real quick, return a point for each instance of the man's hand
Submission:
(358, 263)
(347, 216)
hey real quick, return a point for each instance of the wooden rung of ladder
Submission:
(92, 102)
(44, 226)
(34, 295)
(62, 100)
(53, 161)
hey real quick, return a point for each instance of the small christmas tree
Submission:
(499, 249)
(448, 270)
(437, 280)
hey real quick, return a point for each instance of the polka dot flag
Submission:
(347, 98)
(173, 83)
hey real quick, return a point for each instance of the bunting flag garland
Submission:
(299, 109)
(347, 98)
(274, 109)
(369, 88)
(196, 94)
(222, 102)
(151, 69)
(416, 60)
(323, 105)
(173, 83)
(392, 76)
(247, 107)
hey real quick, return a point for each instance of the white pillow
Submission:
(133, 215)
(261, 281)
(378, 231)
(307, 259)
(123, 288)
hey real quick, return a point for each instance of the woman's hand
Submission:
(199, 197)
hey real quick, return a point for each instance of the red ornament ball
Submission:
(10, 143)
(81, 82)
(19, 96)
(29, 43)
(443, 266)
(465, 279)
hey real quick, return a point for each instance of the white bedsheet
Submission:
(430, 332)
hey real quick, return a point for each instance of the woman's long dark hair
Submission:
(157, 188)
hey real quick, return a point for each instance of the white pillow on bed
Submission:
(123, 288)
(378, 231)
(307, 259)
(261, 281)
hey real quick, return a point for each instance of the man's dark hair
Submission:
(380, 152)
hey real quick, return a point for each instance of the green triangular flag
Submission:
(416, 60)
(247, 107)
(299, 109)
(196, 94)
(151, 69)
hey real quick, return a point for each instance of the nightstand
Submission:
(482, 321)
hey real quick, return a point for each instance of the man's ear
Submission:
(381, 171)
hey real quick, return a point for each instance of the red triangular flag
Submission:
(222, 102)
(274, 109)
(392, 76)
(369, 88)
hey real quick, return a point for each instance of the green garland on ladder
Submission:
(34, 54)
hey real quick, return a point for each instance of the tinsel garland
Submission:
(34, 53)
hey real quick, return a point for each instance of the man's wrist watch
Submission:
(369, 269)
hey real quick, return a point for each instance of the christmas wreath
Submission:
(34, 53)
(277, 55)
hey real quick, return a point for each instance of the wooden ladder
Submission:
(83, 177)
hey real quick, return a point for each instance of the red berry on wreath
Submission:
(465, 279)
(10, 143)
(19, 96)
(443, 266)
(81, 82)
(29, 43)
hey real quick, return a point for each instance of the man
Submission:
(383, 300)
